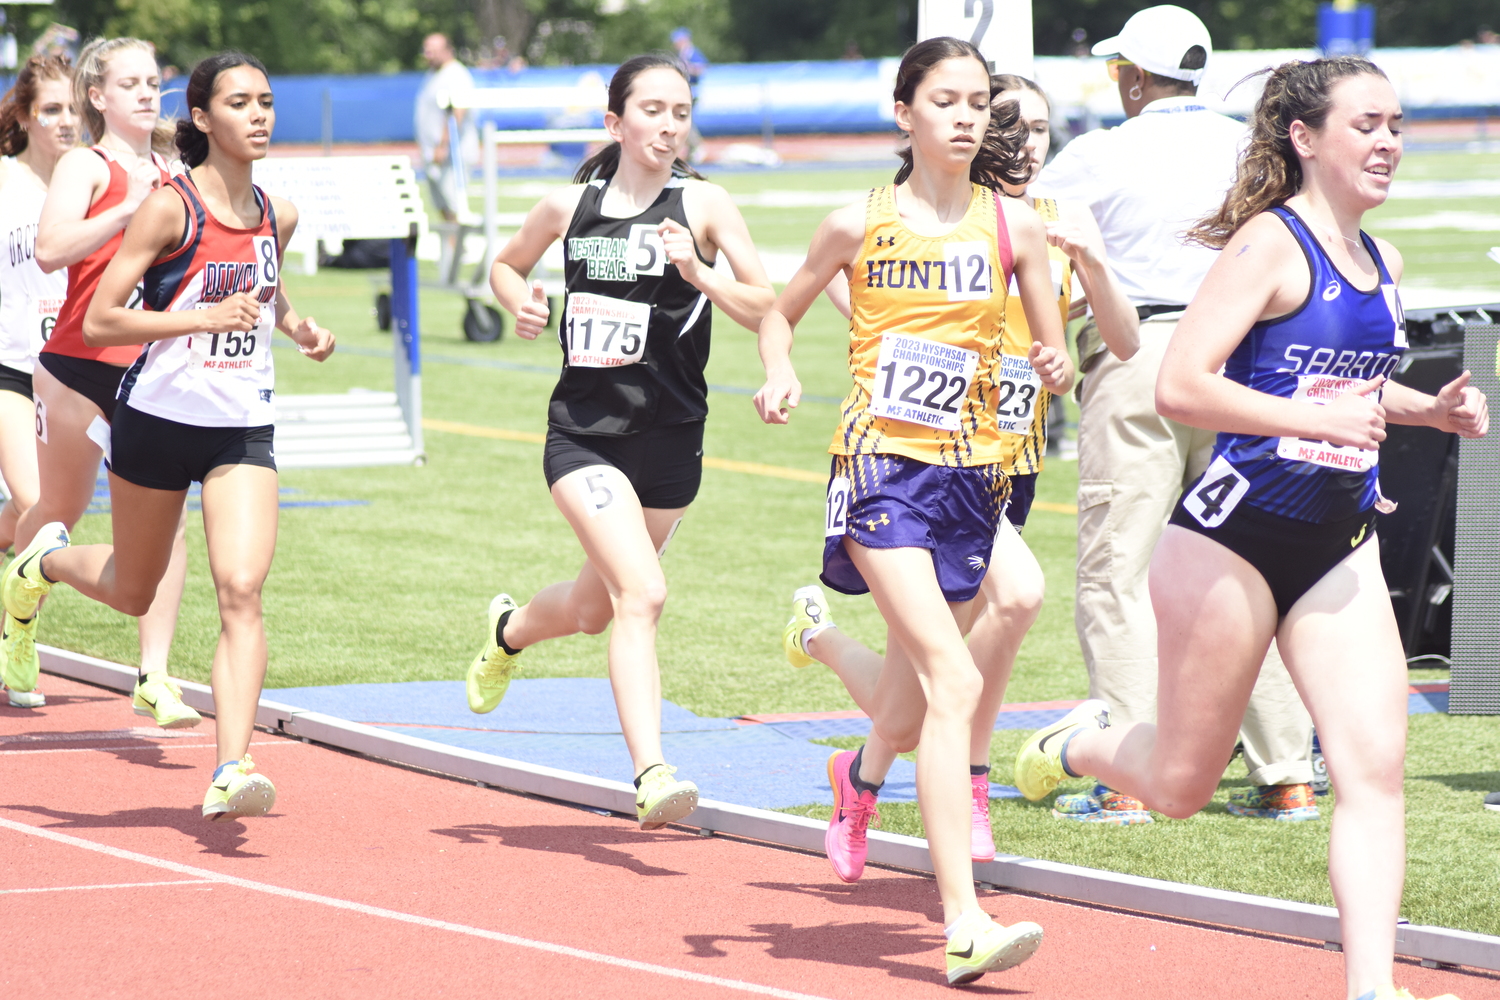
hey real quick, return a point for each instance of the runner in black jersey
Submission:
(624, 450)
(1285, 351)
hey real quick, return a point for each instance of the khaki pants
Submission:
(1132, 467)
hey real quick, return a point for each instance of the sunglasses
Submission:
(1114, 67)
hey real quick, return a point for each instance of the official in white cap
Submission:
(1147, 181)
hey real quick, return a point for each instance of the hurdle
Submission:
(356, 197)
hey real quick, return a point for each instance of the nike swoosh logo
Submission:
(146, 700)
(1042, 746)
(21, 569)
(964, 954)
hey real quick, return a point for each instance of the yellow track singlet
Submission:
(1023, 402)
(924, 338)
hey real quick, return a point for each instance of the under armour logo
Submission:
(885, 241)
(873, 523)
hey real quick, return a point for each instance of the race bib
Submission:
(41, 317)
(1019, 387)
(601, 332)
(1322, 390)
(921, 381)
(968, 267)
(267, 265)
(219, 352)
(836, 509)
(1217, 494)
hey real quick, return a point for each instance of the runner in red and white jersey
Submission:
(93, 194)
(196, 405)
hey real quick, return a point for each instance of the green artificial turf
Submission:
(397, 589)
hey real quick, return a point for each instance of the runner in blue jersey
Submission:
(1287, 351)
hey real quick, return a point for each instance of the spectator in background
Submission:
(1146, 182)
(447, 180)
(694, 65)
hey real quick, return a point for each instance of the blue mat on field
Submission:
(570, 724)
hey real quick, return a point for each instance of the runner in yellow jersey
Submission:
(1011, 596)
(917, 486)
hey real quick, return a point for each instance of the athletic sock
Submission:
(638, 777)
(975, 770)
(860, 785)
(500, 638)
(963, 918)
(809, 633)
(1063, 754)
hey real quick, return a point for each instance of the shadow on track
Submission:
(223, 838)
(595, 844)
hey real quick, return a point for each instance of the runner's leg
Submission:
(17, 461)
(1008, 604)
(1341, 644)
(158, 625)
(904, 585)
(67, 461)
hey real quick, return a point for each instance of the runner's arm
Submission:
(155, 230)
(745, 297)
(1028, 241)
(1260, 274)
(545, 224)
(310, 338)
(1077, 234)
(64, 236)
(838, 293)
(834, 247)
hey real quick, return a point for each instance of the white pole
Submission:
(1001, 29)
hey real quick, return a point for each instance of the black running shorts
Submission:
(1291, 555)
(664, 464)
(13, 380)
(163, 454)
(96, 381)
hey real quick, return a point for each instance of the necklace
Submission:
(1331, 234)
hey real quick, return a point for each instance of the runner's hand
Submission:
(1462, 409)
(1081, 247)
(682, 252)
(312, 340)
(1354, 419)
(1051, 365)
(139, 183)
(531, 318)
(779, 396)
(236, 314)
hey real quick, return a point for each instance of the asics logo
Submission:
(1332, 291)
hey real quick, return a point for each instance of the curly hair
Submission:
(1269, 170)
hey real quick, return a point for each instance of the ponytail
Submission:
(190, 143)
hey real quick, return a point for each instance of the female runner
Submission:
(94, 193)
(624, 451)
(37, 125)
(917, 488)
(1010, 598)
(196, 406)
(1275, 539)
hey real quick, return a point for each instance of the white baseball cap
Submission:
(1160, 40)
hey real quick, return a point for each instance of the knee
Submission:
(135, 602)
(642, 600)
(1022, 602)
(1182, 792)
(956, 690)
(593, 617)
(239, 595)
(900, 737)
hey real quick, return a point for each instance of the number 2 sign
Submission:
(1000, 29)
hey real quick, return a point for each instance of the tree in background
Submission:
(349, 36)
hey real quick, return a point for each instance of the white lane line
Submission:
(117, 885)
(137, 746)
(407, 918)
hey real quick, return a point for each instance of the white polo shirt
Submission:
(1147, 181)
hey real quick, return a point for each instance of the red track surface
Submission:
(373, 882)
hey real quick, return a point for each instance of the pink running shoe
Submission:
(852, 813)
(981, 840)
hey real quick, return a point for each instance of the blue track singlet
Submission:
(1337, 338)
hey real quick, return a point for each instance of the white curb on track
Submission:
(1432, 945)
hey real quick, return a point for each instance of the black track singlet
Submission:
(634, 334)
